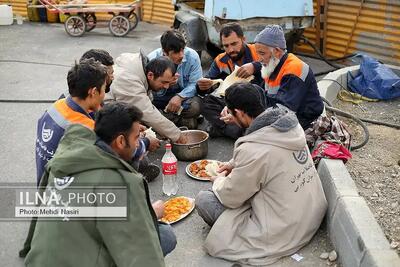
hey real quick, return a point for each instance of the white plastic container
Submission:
(6, 15)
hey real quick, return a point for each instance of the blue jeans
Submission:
(191, 106)
(167, 238)
(162, 97)
(208, 206)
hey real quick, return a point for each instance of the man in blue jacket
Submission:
(87, 84)
(179, 102)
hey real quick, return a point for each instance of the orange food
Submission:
(203, 173)
(175, 208)
(194, 168)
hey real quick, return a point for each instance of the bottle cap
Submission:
(168, 145)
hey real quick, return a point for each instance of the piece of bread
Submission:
(212, 168)
(150, 133)
(231, 79)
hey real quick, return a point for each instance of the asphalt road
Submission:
(29, 59)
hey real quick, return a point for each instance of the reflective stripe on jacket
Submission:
(292, 65)
(293, 85)
(225, 63)
(51, 127)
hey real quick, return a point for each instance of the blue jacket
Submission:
(223, 65)
(51, 127)
(189, 71)
(293, 85)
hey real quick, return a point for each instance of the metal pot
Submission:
(196, 147)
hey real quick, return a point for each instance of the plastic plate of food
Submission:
(203, 169)
(176, 209)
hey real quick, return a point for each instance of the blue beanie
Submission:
(272, 36)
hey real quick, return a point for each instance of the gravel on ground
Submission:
(375, 167)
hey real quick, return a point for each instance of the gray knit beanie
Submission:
(272, 36)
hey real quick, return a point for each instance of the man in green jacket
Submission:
(98, 159)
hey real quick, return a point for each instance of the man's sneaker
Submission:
(149, 171)
(200, 119)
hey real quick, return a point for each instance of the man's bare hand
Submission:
(174, 104)
(204, 84)
(224, 112)
(226, 117)
(158, 208)
(154, 143)
(175, 80)
(183, 139)
(221, 174)
(142, 128)
(225, 168)
(245, 71)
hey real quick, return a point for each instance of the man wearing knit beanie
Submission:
(288, 80)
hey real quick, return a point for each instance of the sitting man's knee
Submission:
(208, 206)
(203, 198)
(195, 108)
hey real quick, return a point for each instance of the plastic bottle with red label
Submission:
(169, 172)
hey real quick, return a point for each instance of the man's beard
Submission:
(268, 69)
(108, 87)
(239, 55)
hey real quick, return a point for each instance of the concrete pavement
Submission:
(49, 43)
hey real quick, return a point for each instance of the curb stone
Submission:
(353, 230)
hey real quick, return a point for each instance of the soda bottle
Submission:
(169, 172)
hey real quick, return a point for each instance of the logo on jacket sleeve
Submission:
(47, 134)
(301, 156)
(62, 183)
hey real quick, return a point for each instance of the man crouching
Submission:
(268, 200)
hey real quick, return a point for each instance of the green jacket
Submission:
(131, 242)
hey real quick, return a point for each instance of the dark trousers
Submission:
(212, 107)
(191, 106)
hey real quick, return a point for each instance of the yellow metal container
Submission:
(33, 14)
(63, 17)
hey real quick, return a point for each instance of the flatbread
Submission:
(231, 79)
(149, 132)
(212, 168)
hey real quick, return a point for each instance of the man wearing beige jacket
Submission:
(268, 201)
(134, 78)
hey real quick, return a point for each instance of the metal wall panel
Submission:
(158, 11)
(371, 27)
(18, 6)
(357, 26)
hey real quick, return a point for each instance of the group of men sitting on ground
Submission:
(266, 203)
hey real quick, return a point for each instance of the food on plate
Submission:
(175, 208)
(212, 168)
(204, 168)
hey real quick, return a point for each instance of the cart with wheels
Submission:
(124, 18)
